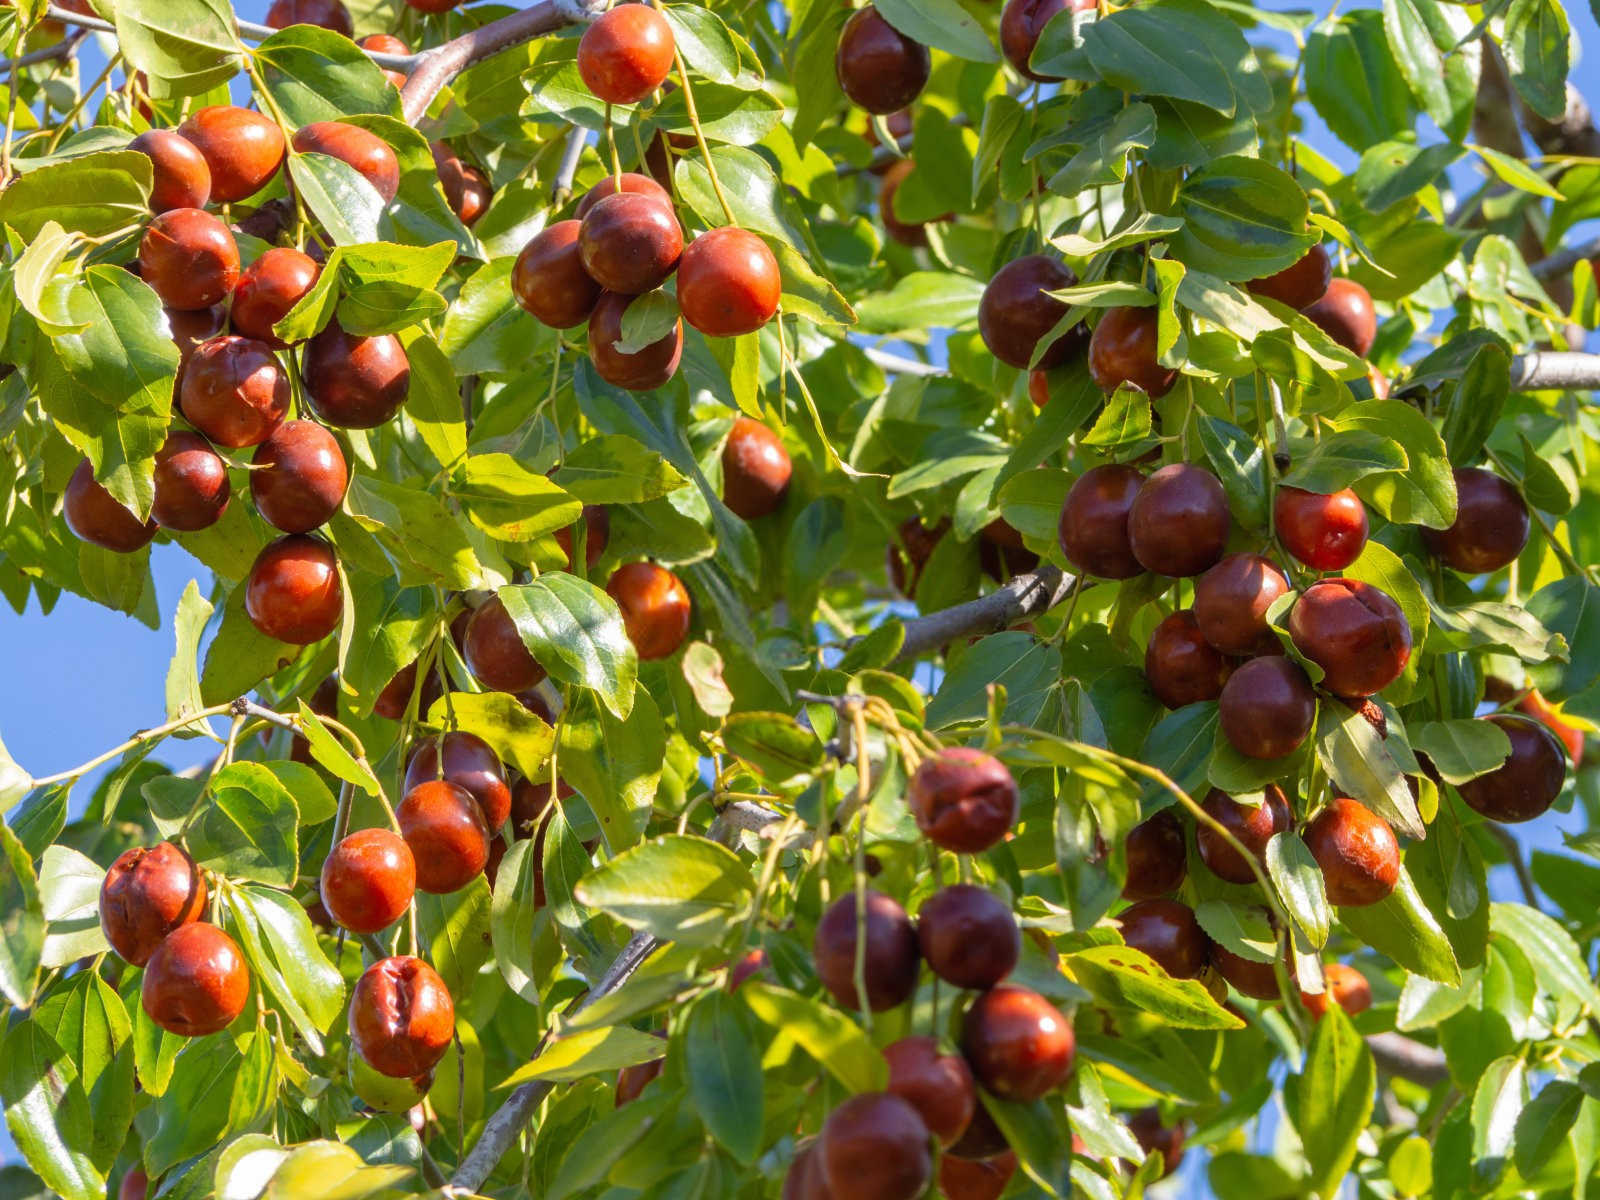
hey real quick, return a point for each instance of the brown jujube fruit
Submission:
(1122, 350)
(982, 1140)
(191, 329)
(1344, 986)
(97, 517)
(1179, 522)
(368, 880)
(1345, 314)
(1528, 782)
(1536, 706)
(1357, 851)
(976, 1179)
(1491, 525)
(641, 371)
(875, 1147)
(877, 66)
(355, 382)
(597, 535)
(1302, 283)
(234, 391)
(1267, 707)
(180, 176)
(191, 483)
(293, 592)
(387, 43)
(1002, 552)
(968, 936)
(1258, 980)
(755, 469)
(268, 289)
(1355, 632)
(939, 1086)
(1180, 665)
(447, 833)
(963, 799)
(1253, 825)
(494, 650)
(728, 282)
(1015, 312)
(631, 1081)
(803, 1180)
(1018, 1044)
(907, 233)
(1094, 522)
(196, 982)
(655, 607)
(1157, 1137)
(469, 763)
(626, 54)
(892, 955)
(467, 190)
(1231, 602)
(148, 892)
(549, 280)
(1168, 932)
(918, 541)
(300, 477)
(1158, 858)
(1327, 533)
(629, 181)
(326, 14)
(401, 1017)
(243, 148)
(189, 258)
(366, 153)
(1021, 23)
(135, 1185)
(630, 242)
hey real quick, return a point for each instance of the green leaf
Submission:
(1359, 761)
(193, 1116)
(1333, 1099)
(514, 918)
(1475, 403)
(616, 765)
(1553, 955)
(1542, 1126)
(247, 827)
(48, 1113)
(1038, 1133)
(21, 922)
(93, 195)
(433, 403)
(1353, 82)
(1172, 48)
(942, 24)
(69, 900)
(1124, 421)
(190, 46)
(339, 196)
(1462, 750)
(509, 502)
(287, 961)
(1401, 926)
(1298, 879)
(590, 1053)
(773, 744)
(88, 1021)
(316, 75)
(723, 1063)
(1243, 218)
(1128, 978)
(1496, 1103)
(15, 783)
(823, 1032)
(518, 736)
(455, 933)
(1443, 75)
(1535, 41)
(921, 299)
(1338, 461)
(183, 675)
(1237, 459)
(705, 42)
(678, 888)
(329, 753)
(575, 631)
(1569, 606)
(240, 655)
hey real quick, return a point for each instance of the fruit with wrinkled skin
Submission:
(1302, 283)
(1258, 980)
(1021, 23)
(1327, 533)
(401, 1017)
(641, 371)
(471, 764)
(366, 153)
(189, 258)
(494, 651)
(235, 391)
(191, 483)
(892, 954)
(1253, 825)
(447, 833)
(1345, 314)
(976, 1179)
(1267, 707)
(1015, 313)
(630, 243)
(968, 937)
(1528, 782)
(597, 535)
(939, 1086)
(728, 282)
(549, 280)
(628, 181)
(878, 67)
(355, 382)
(655, 607)
(755, 469)
(300, 477)
(875, 1147)
(180, 176)
(1167, 931)
(97, 517)
(963, 799)
(148, 892)
(1180, 665)
(327, 14)
(1345, 986)
(1122, 350)
(1093, 531)
(1231, 602)
(243, 148)
(268, 289)
(631, 1081)
(1155, 1136)
(1018, 1044)
(1491, 525)
(1357, 851)
(626, 54)
(293, 592)
(1158, 858)
(196, 982)
(368, 880)
(1355, 632)
(1178, 525)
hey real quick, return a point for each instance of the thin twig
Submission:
(65, 48)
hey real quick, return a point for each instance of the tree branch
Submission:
(65, 48)
(1399, 1055)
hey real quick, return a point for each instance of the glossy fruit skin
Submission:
(597, 535)
(467, 190)
(626, 54)
(1015, 313)
(234, 391)
(95, 516)
(1021, 23)
(191, 483)
(387, 43)
(1528, 782)
(493, 649)
(875, 1147)
(755, 468)
(148, 892)
(135, 1184)
(189, 258)
(630, 242)
(294, 593)
(355, 382)
(1094, 522)
(803, 1180)
(982, 1140)
(919, 541)
(1178, 524)
(968, 936)
(728, 282)
(1302, 283)
(393, 700)
(300, 478)
(963, 799)
(1247, 976)
(892, 954)
(268, 289)
(976, 1179)
(1491, 525)
(878, 67)
(938, 1086)
(193, 328)
(1327, 533)
(1155, 1136)
(196, 982)
(401, 1017)
(368, 880)
(1158, 857)
(469, 763)
(643, 371)
(181, 178)
(328, 14)
(1345, 314)
(1267, 707)
(1122, 350)
(1180, 665)
(1231, 602)
(1168, 932)
(1536, 706)
(631, 181)
(1354, 632)
(447, 833)
(243, 148)
(1018, 1044)
(549, 281)
(371, 157)
(1345, 986)
(1357, 851)
(655, 607)
(1252, 825)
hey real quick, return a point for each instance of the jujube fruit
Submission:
(1021, 23)
(655, 607)
(1247, 976)
(976, 1179)
(918, 542)
(630, 242)
(293, 592)
(1094, 522)
(196, 982)
(494, 650)
(366, 153)
(268, 289)
(728, 282)
(982, 1139)
(447, 833)
(1357, 851)
(234, 391)
(1015, 312)
(148, 892)
(1528, 782)
(368, 880)
(469, 763)
(1345, 314)
(1178, 524)
(1018, 1044)
(1536, 706)
(1231, 602)
(875, 1147)
(968, 936)
(189, 258)
(380, 1093)
(1344, 986)
(1354, 632)
(892, 956)
(963, 799)
(1180, 665)
(135, 1185)
(803, 1180)
(1155, 1136)
(1267, 707)
(1122, 350)
(355, 382)
(1327, 533)
(387, 43)
(1302, 283)
(326, 14)
(879, 68)
(191, 329)
(180, 176)
(626, 54)
(94, 515)
(191, 483)
(939, 1086)
(1158, 858)
(907, 233)
(1002, 553)
(755, 468)
(243, 148)
(596, 536)
(467, 190)
(401, 1017)
(300, 477)
(1491, 525)
(628, 181)
(1168, 932)
(640, 371)
(549, 280)
(1252, 825)
(631, 1081)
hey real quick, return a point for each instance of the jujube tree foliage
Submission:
(806, 600)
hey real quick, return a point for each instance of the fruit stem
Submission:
(858, 719)
(699, 134)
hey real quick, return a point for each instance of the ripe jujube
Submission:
(293, 592)
(189, 258)
(1528, 782)
(1018, 1044)
(1122, 350)
(148, 892)
(300, 477)
(892, 954)
(1327, 533)
(597, 535)
(1345, 314)
(1157, 856)
(467, 190)
(1357, 851)
(875, 1147)
(180, 176)
(982, 1139)
(326, 14)
(191, 483)
(447, 833)
(1001, 551)
(494, 650)
(196, 982)
(469, 763)
(963, 799)
(976, 1179)
(191, 329)
(1094, 522)
(626, 54)
(1344, 986)
(655, 607)
(364, 152)
(755, 469)
(628, 181)
(1178, 524)
(1355, 632)
(1231, 602)
(355, 382)
(1016, 311)
(98, 517)
(243, 148)
(1247, 976)
(268, 289)
(1267, 707)
(368, 880)
(879, 68)
(401, 1017)
(1155, 1136)
(1302, 283)
(939, 1086)
(1180, 665)
(630, 242)
(918, 541)
(1253, 825)
(1021, 23)
(1168, 932)
(549, 280)
(968, 936)
(234, 391)
(642, 370)
(728, 282)
(1491, 525)
(387, 43)
(907, 233)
